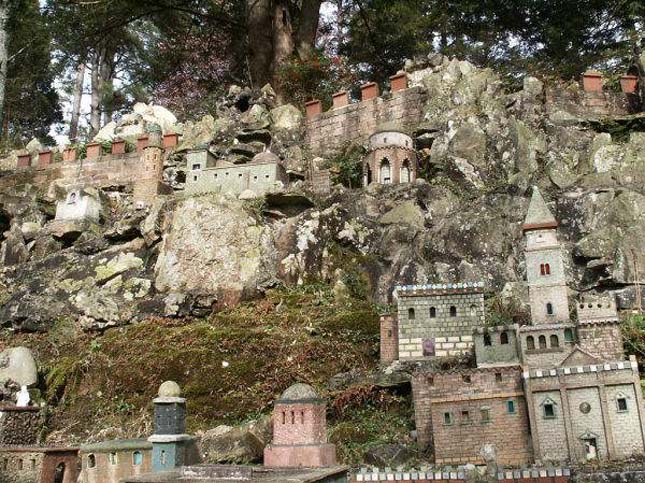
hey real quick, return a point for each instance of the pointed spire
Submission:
(538, 216)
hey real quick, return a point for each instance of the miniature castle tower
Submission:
(300, 431)
(391, 158)
(149, 183)
(544, 266)
(170, 443)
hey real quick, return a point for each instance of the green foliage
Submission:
(633, 330)
(501, 311)
(348, 166)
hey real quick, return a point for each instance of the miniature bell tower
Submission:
(149, 184)
(544, 266)
(170, 444)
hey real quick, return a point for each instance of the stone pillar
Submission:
(170, 444)
(389, 339)
(148, 184)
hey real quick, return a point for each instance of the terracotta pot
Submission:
(592, 81)
(629, 84)
(399, 82)
(45, 158)
(24, 160)
(93, 151)
(142, 143)
(170, 140)
(340, 99)
(118, 146)
(313, 108)
(69, 155)
(369, 91)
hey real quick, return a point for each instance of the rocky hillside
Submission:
(114, 308)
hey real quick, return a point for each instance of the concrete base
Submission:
(300, 456)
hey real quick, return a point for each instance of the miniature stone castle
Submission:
(558, 389)
(390, 159)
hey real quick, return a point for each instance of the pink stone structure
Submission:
(142, 143)
(592, 81)
(69, 155)
(118, 146)
(389, 338)
(340, 99)
(369, 91)
(628, 84)
(45, 158)
(93, 151)
(313, 108)
(390, 159)
(300, 431)
(170, 140)
(24, 160)
(399, 82)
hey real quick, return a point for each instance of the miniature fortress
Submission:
(556, 390)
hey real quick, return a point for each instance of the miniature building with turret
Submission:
(300, 431)
(390, 158)
(564, 382)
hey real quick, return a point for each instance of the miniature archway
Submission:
(405, 176)
(385, 172)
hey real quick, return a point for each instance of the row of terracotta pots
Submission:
(94, 150)
(592, 82)
(369, 91)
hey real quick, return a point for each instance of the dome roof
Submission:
(265, 157)
(169, 389)
(299, 392)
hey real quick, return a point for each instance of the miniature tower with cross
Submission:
(171, 446)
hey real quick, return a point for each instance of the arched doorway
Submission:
(385, 172)
(405, 172)
(368, 175)
(59, 475)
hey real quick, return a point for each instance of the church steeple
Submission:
(544, 266)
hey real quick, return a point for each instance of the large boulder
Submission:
(17, 364)
(287, 118)
(216, 248)
(236, 445)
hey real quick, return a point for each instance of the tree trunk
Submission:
(4, 58)
(308, 27)
(95, 103)
(260, 40)
(77, 96)
(107, 94)
(283, 45)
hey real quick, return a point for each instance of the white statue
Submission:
(23, 397)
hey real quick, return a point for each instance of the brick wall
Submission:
(581, 103)
(456, 413)
(389, 339)
(299, 423)
(20, 466)
(328, 132)
(19, 425)
(603, 340)
(493, 347)
(38, 464)
(428, 326)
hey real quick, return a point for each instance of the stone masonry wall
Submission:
(19, 426)
(496, 352)
(444, 334)
(389, 341)
(107, 472)
(456, 413)
(20, 466)
(299, 423)
(327, 133)
(602, 340)
(586, 104)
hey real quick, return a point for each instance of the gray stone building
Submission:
(79, 205)
(264, 174)
(438, 320)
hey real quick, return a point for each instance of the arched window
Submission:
(530, 343)
(549, 308)
(503, 338)
(433, 312)
(405, 172)
(368, 175)
(547, 269)
(386, 172)
(542, 271)
(542, 342)
(302, 417)
(568, 335)
(91, 461)
(59, 475)
(453, 311)
(487, 340)
(411, 315)
(163, 458)
(293, 417)
(112, 458)
(473, 310)
(554, 341)
(284, 417)
(137, 458)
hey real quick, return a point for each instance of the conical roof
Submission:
(538, 216)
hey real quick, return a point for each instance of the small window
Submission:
(549, 411)
(542, 341)
(433, 312)
(112, 458)
(542, 269)
(20, 464)
(5, 464)
(510, 407)
(389, 333)
(239, 175)
(430, 381)
(32, 463)
(554, 341)
(196, 167)
(137, 458)
(215, 174)
(162, 458)
(447, 419)
(549, 308)
(465, 417)
(293, 417)
(621, 402)
(453, 311)
(411, 315)
(473, 310)
(194, 178)
(485, 415)
(302, 417)
(466, 378)
(284, 417)
(547, 269)
(498, 377)
(503, 338)
(91, 461)
(487, 340)
(568, 335)
(530, 343)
